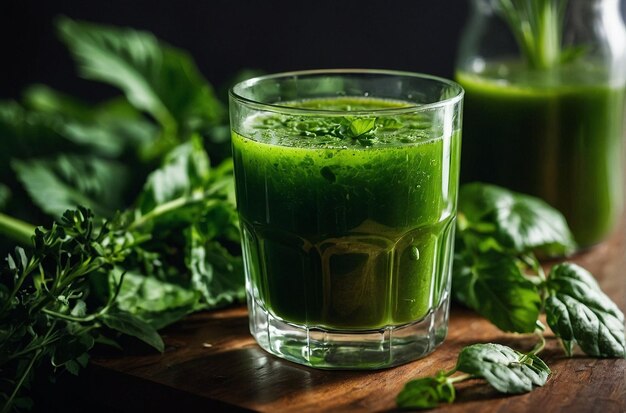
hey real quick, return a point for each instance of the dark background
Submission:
(225, 36)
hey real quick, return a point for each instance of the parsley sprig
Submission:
(44, 312)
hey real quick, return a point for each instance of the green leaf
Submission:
(361, 126)
(24, 133)
(71, 347)
(214, 272)
(185, 170)
(5, 195)
(425, 393)
(579, 312)
(494, 286)
(155, 301)
(112, 126)
(44, 99)
(129, 324)
(519, 223)
(507, 370)
(156, 78)
(27, 133)
(66, 181)
(80, 309)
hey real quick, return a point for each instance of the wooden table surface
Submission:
(211, 363)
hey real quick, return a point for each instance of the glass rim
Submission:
(276, 107)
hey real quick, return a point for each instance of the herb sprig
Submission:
(538, 29)
(496, 272)
(44, 313)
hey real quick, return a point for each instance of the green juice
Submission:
(557, 135)
(340, 233)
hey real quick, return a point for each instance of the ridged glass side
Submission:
(363, 311)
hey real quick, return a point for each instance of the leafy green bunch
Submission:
(140, 271)
(174, 247)
(61, 152)
(496, 273)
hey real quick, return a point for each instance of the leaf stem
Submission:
(67, 317)
(537, 27)
(16, 229)
(539, 346)
(17, 388)
(31, 349)
(167, 207)
(459, 378)
(18, 284)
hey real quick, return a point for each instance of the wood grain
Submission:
(212, 363)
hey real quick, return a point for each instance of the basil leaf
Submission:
(156, 78)
(579, 312)
(507, 370)
(519, 223)
(493, 285)
(129, 324)
(426, 393)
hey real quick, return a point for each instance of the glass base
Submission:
(358, 350)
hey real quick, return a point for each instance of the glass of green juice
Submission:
(346, 184)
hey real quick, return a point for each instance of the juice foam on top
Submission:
(334, 130)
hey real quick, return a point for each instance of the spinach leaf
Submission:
(186, 213)
(517, 223)
(113, 125)
(156, 78)
(493, 285)
(426, 393)
(43, 99)
(131, 325)
(27, 132)
(579, 312)
(214, 272)
(185, 170)
(153, 300)
(62, 183)
(507, 370)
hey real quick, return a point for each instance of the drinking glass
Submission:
(346, 184)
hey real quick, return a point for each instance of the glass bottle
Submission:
(544, 106)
